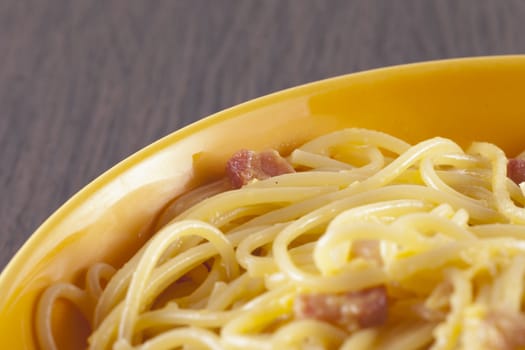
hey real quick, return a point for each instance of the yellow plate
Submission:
(464, 99)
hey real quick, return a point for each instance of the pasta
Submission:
(371, 243)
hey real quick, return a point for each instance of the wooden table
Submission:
(84, 84)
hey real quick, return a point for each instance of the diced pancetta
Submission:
(504, 330)
(354, 310)
(368, 250)
(246, 166)
(516, 170)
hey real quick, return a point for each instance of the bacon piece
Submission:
(367, 249)
(245, 166)
(516, 170)
(505, 330)
(354, 310)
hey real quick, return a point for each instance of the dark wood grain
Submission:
(84, 84)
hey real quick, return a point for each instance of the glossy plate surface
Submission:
(464, 99)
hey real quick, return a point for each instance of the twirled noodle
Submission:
(372, 244)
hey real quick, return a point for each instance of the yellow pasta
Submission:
(372, 244)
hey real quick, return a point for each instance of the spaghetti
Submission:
(371, 243)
